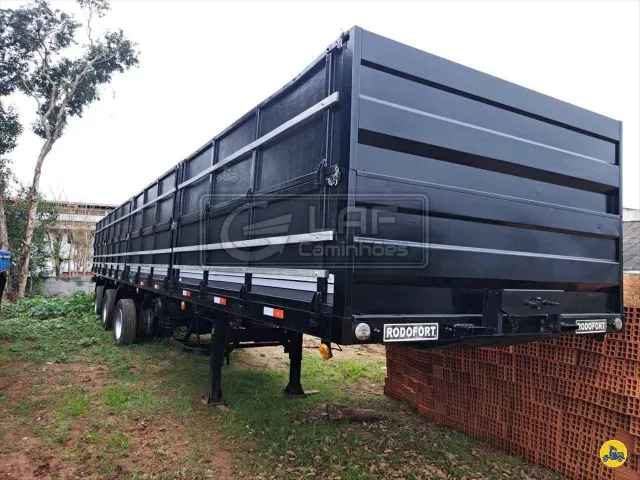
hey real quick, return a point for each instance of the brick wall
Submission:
(553, 403)
(632, 290)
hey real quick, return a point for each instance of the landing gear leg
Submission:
(294, 347)
(216, 357)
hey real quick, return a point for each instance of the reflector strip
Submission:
(220, 300)
(186, 293)
(273, 312)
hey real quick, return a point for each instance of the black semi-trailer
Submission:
(383, 195)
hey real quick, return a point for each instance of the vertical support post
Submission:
(294, 347)
(492, 311)
(216, 357)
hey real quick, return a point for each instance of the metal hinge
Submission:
(245, 289)
(329, 176)
(340, 42)
(316, 309)
(536, 302)
(202, 286)
(319, 298)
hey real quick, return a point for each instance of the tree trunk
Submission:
(4, 245)
(32, 218)
(55, 241)
(4, 234)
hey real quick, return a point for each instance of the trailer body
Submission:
(386, 194)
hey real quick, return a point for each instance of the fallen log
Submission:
(338, 413)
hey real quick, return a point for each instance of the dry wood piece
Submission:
(337, 413)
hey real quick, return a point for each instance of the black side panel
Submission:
(219, 210)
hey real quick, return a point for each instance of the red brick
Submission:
(625, 473)
(553, 402)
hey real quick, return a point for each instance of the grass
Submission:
(71, 404)
(145, 417)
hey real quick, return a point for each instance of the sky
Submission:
(203, 64)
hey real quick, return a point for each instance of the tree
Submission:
(81, 251)
(56, 237)
(17, 208)
(10, 130)
(39, 45)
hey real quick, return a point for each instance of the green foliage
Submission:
(124, 397)
(43, 58)
(10, 129)
(16, 210)
(49, 329)
(119, 442)
(72, 403)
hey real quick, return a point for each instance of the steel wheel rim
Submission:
(118, 324)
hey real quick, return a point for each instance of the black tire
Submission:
(146, 318)
(99, 300)
(125, 322)
(108, 308)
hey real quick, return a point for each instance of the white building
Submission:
(71, 239)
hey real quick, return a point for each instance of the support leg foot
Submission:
(213, 401)
(294, 346)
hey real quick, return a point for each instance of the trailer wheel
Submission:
(125, 322)
(108, 307)
(99, 300)
(145, 322)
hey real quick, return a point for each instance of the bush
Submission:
(40, 308)
(50, 329)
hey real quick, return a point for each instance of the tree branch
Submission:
(72, 89)
(29, 90)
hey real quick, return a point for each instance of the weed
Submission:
(73, 403)
(49, 329)
(124, 397)
(119, 443)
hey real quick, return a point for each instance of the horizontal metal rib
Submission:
(290, 272)
(477, 127)
(150, 202)
(256, 242)
(318, 107)
(261, 242)
(460, 248)
(147, 265)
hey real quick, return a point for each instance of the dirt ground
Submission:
(274, 358)
(158, 443)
